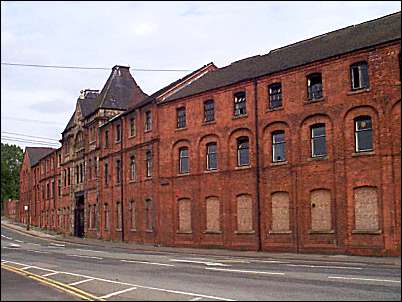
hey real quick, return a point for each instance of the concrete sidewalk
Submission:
(34, 231)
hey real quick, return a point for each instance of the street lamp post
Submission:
(26, 211)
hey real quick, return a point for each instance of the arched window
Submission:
(183, 160)
(363, 134)
(243, 151)
(359, 75)
(314, 86)
(212, 159)
(278, 146)
(318, 140)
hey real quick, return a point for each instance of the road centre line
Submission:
(82, 281)
(144, 262)
(90, 251)
(6, 237)
(135, 285)
(202, 262)
(243, 271)
(82, 256)
(196, 299)
(118, 293)
(364, 279)
(26, 267)
(325, 266)
(20, 241)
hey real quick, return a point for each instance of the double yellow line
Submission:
(64, 287)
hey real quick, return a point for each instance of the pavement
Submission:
(34, 231)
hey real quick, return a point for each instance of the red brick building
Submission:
(297, 150)
(11, 209)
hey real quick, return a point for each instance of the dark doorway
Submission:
(79, 215)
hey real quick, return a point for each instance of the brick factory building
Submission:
(297, 150)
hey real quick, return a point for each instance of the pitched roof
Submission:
(153, 97)
(352, 38)
(36, 153)
(119, 92)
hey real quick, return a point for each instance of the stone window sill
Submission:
(146, 131)
(280, 163)
(180, 129)
(367, 232)
(321, 232)
(240, 116)
(149, 231)
(184, 232)
(183, 174)
(133, 230)
(321, 157)
(212, 232)
(147, 178)
(313, 101)
(132, 181)
(242, 167)
(280, 232)
(118, 230)
(358, 91)
(132, 136)
(244, 232)
(363, 153)
(208, 123)
(274, 109)
(211, 171)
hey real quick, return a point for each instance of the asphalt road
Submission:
(118, 274)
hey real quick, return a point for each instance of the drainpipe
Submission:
(122, 178)
(257, 150)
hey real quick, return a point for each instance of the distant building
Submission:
(297, 150)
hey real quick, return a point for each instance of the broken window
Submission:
(314, 86)
(278, 146)
(275, 95)
(240, 103)
(359, 75)
(243, 151)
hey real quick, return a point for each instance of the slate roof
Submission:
(37, 153)
(119, 92)
(351, 38)
(156, 94)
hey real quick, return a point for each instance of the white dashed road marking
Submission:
(202, 262)
(324, 266)
(90, 257)
(144, 262)
(6, 237)
(50, 274)
(364, 279)
(243, 271)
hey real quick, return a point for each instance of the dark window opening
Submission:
(278, 146)
(318, 141)
(183, 161)
(314, 86)
(209, 111)
(359, 75)
(275, 95)
(212, 160)
(181, 117)
(243, 151)
(363, 134)
(240, 104)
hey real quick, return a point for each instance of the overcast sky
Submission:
(151, 35)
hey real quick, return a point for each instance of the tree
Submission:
(11, 160)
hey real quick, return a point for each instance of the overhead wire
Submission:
(21, 134)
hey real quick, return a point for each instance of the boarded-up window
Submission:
(184, 206)
(320, 205)
(133, 215)
(148, 215)
(280, 212)
(118, 215)
(213, 214)
(366, 209)
(244, 213)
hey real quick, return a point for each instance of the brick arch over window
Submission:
(349, 127)
(267, 141)
(320, 209)
(305, 151)
(202, 151)
(213, 214)
(244, 206)
(396, 126)
(231, 153)
(184, 215)
(366, 208)
(174, 155)
(280, 205)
